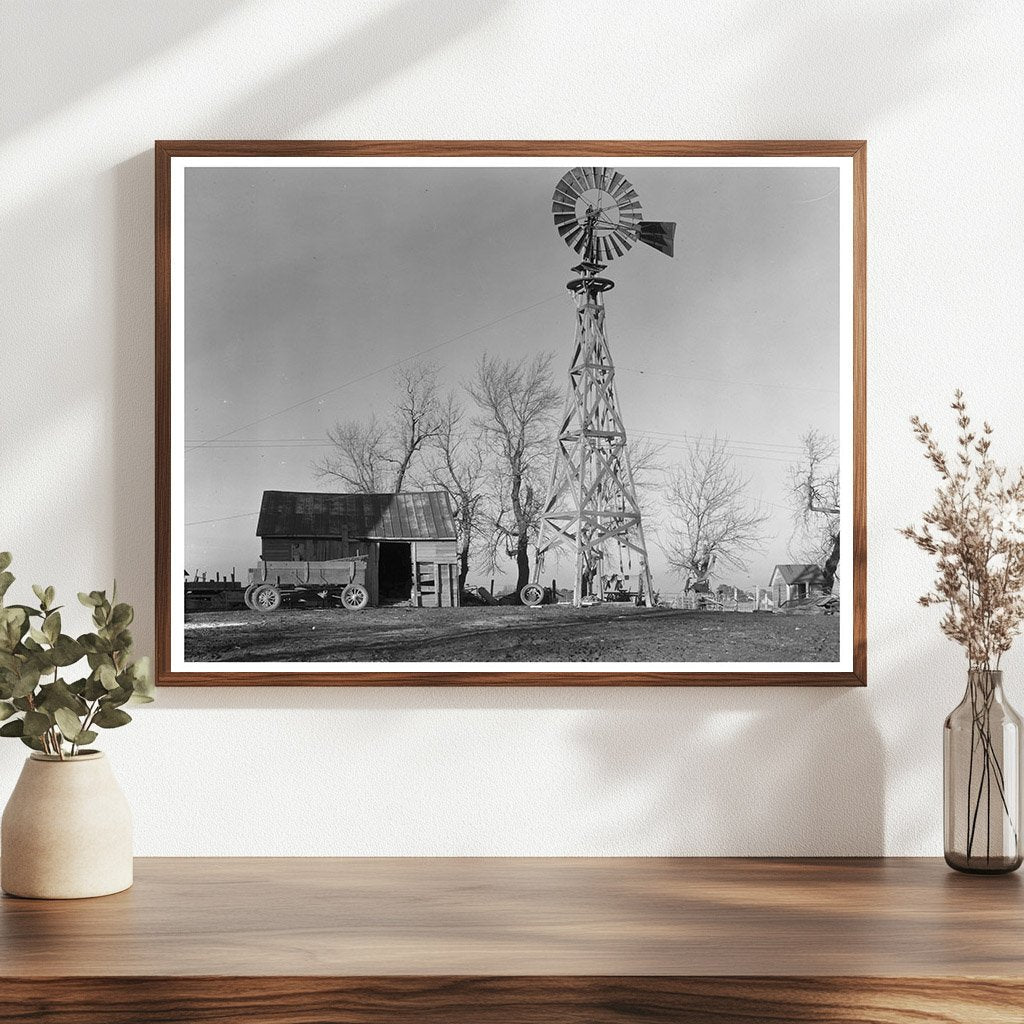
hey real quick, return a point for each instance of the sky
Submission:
(305, 286)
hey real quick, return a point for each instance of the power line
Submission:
(203, 522)
(373, 373)
(780, 446)
(726, 380)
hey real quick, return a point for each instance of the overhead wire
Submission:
(373, 373)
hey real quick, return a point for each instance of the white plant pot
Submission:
(66, 831)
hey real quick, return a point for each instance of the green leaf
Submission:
(51, 626)
(122, 616)
(31, 741)
(87, 641)
(38, 636)
(94, 689)
(142, 681)
(66, 651)
(115, 698)
(40, 593)
(13, 728)
(59, 695)
(6, 579)
(36, 723)
(86, 736)
(108, 718)
(13, 626)
(89, 600)
(6, 710)
(29, 611)
(107, 676)
(69, 724)
(5, 560)
(27, 681)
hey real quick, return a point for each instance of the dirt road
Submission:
(557, 633)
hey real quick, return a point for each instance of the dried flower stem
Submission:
(975, 530)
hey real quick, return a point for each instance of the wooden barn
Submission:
(793, 585)
(408, 540)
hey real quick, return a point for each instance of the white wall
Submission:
(935, 87)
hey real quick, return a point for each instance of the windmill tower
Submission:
(591, 510)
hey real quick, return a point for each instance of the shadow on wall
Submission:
(48, 45)
(743, 771)
(394, 39)
(693, 771)
(679, 771)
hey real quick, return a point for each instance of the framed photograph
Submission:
(492, 413)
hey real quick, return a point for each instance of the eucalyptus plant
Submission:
(37, 704)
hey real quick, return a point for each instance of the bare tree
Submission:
(359, 460)
(371, 456)
(814, 497)
(711, 520)
(456, 464)
(517, 401)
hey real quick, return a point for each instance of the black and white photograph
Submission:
(511, 414)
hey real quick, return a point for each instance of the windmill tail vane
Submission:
(592, 509)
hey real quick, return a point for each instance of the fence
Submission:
(690, 601)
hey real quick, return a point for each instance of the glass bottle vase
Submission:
(981, 771)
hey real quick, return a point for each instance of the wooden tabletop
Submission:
(510, 917)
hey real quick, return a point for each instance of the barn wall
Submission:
(436, 551)
(310, 549)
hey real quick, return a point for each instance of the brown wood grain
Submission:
(165, 150)
(570, 941)
(594, 1000)
(488, 917)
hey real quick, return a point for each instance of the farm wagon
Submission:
(355, 550)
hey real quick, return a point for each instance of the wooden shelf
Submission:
(508, 940)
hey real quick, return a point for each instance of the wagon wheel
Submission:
(355, 598)
(247, 596)
(532, 595)
(266, 598)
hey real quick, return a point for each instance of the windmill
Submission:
(591, 508)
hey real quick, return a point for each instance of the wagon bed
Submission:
(339, 582)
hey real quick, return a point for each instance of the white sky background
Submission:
(299, 281)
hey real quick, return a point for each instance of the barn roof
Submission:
(411, 515)
(799, 572)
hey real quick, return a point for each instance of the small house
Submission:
(793, 584)
(408, 540)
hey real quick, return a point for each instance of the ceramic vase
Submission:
(66, 831)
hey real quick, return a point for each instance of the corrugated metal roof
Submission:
(411, 515)
(800, 572)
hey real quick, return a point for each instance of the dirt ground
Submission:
(556, 633)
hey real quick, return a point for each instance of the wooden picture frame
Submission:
(848, 156)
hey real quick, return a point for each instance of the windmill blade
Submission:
(578, 180)
(658, 234)
(569, 184)
(619, 185)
